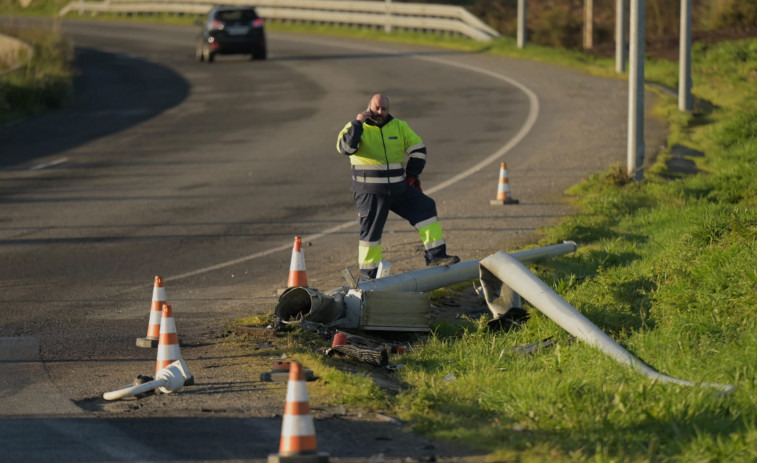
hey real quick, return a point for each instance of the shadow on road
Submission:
(111, 93)
(200, 439)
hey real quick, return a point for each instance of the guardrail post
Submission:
(522, 7)
(388, 25)
(636, 92)
(684, 59)
(588, 24)
(620, 36)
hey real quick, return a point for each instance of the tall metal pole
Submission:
(522, 7)
(588, 24)
(636, 92)
(620, 36)
(685, 102)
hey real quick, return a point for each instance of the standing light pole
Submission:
(588, 24)
(522, 7)
(620, 36)
(636, 92)
(684, 60)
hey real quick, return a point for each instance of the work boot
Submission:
(438, 256)
(442, 260)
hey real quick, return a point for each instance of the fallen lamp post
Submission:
(393, 303)
(504, 278)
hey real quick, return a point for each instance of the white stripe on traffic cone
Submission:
(168, 346)
(298, 441)
(504, 196)
(297, 274)
(156, 312)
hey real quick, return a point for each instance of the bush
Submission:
(734, 13)
(560, 22)
(45, 82)
(557, 26)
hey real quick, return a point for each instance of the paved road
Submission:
(204, 173)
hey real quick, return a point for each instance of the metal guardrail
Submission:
(389, 15)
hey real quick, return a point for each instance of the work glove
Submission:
(413, 181)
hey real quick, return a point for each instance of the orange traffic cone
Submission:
(156, 309)
(503, 189)
(298, 442)
(297, 274)
(168, 346)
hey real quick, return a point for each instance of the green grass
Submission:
(45, 82)
(668, 268)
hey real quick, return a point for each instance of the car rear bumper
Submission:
(241, 44)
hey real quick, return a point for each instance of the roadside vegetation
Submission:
(44, 82)
(666, 266)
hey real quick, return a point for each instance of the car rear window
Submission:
(236, 15)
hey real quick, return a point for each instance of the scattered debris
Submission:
(317, 328)
(378, 357)
(142, 379)
(280, 373)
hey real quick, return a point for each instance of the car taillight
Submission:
(216, 25)
(257, 23)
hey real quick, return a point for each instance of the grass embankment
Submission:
(666, 266)
(45, 82)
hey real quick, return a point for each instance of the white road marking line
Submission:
(45, 165)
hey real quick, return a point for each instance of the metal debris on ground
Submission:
(317, 328)
(378, 357)
(280, 373)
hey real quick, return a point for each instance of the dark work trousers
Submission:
(373, 209)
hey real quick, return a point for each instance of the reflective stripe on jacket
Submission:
(377, 154)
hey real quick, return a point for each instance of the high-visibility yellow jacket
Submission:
(377, 154)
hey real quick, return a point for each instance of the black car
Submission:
(231, 30)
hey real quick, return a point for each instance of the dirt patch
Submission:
(228, 365)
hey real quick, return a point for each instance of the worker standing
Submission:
(376, 144)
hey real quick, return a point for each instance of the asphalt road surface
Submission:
(204, 174)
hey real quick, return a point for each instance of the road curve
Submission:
(204, 173)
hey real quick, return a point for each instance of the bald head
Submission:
(379, 100)
(379, 107)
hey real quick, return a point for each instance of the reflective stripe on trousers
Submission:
(369, 254)
(430, 232)
(407, 202)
